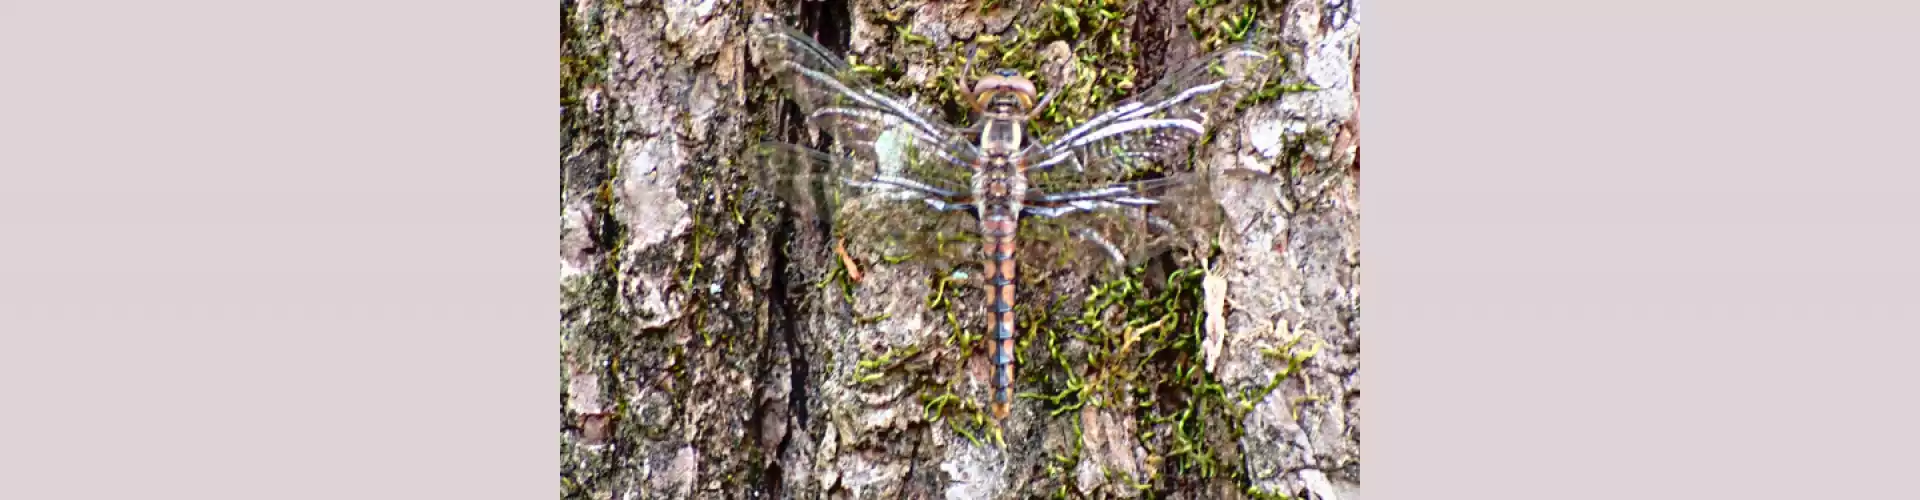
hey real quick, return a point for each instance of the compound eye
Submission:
(982, 85)
(1002, 82)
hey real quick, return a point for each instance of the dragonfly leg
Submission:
(960, 80)
(1042, 105)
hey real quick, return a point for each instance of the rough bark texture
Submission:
(711, 348)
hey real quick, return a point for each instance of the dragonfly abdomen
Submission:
(1000, 283)
(998, 228)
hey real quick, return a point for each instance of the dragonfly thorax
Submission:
(1000, 136)
(1002, 100)
(999, 181)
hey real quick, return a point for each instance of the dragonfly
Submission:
(1103, 191)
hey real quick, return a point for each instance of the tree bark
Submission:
(711, 346)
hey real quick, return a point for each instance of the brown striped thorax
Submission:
(1004, 102)
(1104, 193)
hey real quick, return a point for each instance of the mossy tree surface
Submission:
(712, 347)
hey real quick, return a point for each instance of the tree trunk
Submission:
(713, 345)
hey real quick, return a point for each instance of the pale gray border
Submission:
(1640, 250)
(278, 250)
(261, 250)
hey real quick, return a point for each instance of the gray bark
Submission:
(702, 358)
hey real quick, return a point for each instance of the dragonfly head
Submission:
(1004, 91)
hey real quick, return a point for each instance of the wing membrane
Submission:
(842, 102)
(894, 217)
(1095, 199)
(1113, 191)
(1155, 127)
(1123, 223)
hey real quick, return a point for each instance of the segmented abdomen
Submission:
(1000, 279)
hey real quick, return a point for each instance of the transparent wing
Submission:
(1154, 128)
(890, 216)
(1113, 191)
(867, 122)
(1121, 224)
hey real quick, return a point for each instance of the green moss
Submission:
(940, 401)
(1236, 28)
(700, 231)
(1260, 494)
(870, 369)
(1216, 23)
(906, 34)
(947, 290)
(1149, 340)
(1097, 30)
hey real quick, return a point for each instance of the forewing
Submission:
(1152, 129)
(867, 122)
